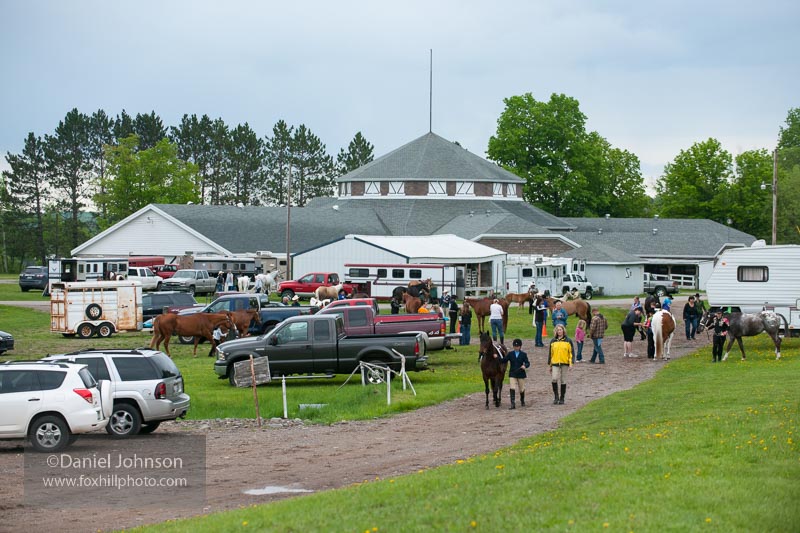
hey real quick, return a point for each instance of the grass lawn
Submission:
(701, 447)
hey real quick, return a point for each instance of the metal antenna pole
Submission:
(430, 97)
(288, 222)
(775, 197)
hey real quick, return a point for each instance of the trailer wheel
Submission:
(105, 330)
(85, 330)
(94, 311)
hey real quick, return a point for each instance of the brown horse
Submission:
(412, 303)
(493, 367)
(243, 318)
(580, 308)
(199, 325)
(520, 298)
(481, 308)
(420, 288)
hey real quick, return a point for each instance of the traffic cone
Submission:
(544, 329)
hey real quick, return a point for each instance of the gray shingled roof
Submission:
(249, 229)
(431, 158)
(675, 238)
(602, 253)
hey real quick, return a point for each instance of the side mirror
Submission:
(273, 341)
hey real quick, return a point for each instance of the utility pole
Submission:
(775, 197)
(288, 222)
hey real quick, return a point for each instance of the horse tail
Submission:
(588, 317)
(156, 333)
(785, 323)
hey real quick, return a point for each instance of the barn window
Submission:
(753, 273)
(497, 189)
(396, 187)
(437, 188)
(372, 188)
(465, 188)
(415, 273)
(398, 273)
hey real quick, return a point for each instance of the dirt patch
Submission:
(237, 450)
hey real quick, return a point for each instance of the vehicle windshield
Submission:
(183, 298)
(184, 274)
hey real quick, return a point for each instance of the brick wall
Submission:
(483, 188)
(416, 188)
(357, 188)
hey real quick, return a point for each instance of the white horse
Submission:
(267, 280)
(244, 282)
(663, 325)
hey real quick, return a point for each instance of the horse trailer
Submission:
(758, 278)
(545, 273)
(379, 280)
(74, 269)
(99, 308)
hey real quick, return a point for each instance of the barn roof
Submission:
(431, 158)
(431, 246)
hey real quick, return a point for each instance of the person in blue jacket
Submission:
(517, 363)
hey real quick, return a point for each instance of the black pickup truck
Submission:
(318, 345)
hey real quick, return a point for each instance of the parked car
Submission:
(6, 342)
(154, 303)
(166, 271)
(49, 403)
(145, 276)
(308, 284)
(147, 387)
(192, 281)
(33, 277)
(659, 284)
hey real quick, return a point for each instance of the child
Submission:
(580, 335)
(720, 327)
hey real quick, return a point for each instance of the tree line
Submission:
(94, 170)
(570, 171)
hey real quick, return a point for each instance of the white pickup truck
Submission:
(577, 283)
(145, 276)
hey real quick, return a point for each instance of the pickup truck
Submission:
(659, 284)
(272, 313)
(576, 282)
(318, 345)
(306, 285)
(361, 320)
(192, 281)
(166, 271)
(145, 276)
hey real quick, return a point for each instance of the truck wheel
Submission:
(661, 292)
(85, 330)
(376, 376)
(230, 375)
(192, 290)
(185, 340)
(105, 330)
(588, 294)
(158, 286)
(288, 293)
(94, 311)
(49, 434)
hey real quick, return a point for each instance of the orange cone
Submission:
(544, 329)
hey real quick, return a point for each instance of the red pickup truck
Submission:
(306, 285)
(362, 320)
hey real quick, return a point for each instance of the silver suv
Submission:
(49, 403)
(147, 387)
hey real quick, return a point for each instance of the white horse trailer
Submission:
(757, 278)
(379, 280)
(99, 308)
(546, 273)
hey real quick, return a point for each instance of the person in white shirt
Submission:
(496, 320)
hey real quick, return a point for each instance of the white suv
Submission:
(145, 276)
(49, 403)
(147, 386)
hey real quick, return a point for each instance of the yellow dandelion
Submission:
(460, 462)
(391, 481)
(789, 441)
(499, 467)
(708, 520)
(473, 524)
(605, 524)
(374, 529)
(570, 522)
(666, 476)
(626, 449)
(244, 523)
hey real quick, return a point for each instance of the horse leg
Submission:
(499, 398)
(668, 345)
(776, 340)
(167, 336)
(728, 348)
(741, 347)
(486, 384)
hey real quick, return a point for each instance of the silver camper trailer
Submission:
(758, 278)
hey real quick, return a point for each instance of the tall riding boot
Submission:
(502, 340)
(513, 403)
(522, 399)
(563, 392)
(555, 393)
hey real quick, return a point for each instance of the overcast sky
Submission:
(652, 77)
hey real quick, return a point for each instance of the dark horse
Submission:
(747, 325)
(493, 367)
(420, 289)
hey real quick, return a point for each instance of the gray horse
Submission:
(747, 325)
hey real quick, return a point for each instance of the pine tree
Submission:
(359, 153)
(277, 164)
(314, 168)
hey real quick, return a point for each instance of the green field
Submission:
(700, 447)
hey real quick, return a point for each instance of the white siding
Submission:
(148, 234)
(616, 280)
(333, 256)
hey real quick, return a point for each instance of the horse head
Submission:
(487, 345)
(705, 321)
